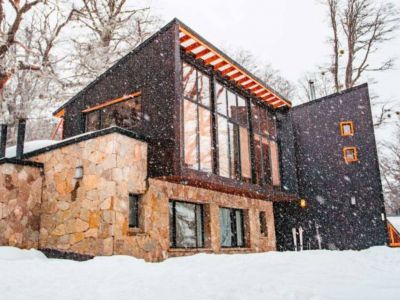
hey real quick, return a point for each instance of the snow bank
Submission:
(370, 274)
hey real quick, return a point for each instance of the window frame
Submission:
(346, 123)
(107, 104)
(199, 105)
(172, 231)
(355, 151)
(137, 210)
(233, 225)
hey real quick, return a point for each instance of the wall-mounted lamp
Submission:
(78, 173)
(303, 203)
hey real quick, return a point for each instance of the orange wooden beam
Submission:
(226, 71)
(220, 65)
(111, 102)
(202, 53)
(243, 80)
(249, 85)
(255, 89)
(236, 75)
(211, 59)
(193, 46)
(184, 39)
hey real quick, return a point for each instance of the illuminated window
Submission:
(346, 128)
(350, 154)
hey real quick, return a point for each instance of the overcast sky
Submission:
(290, 34)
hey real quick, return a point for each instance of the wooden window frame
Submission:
(349, 123)
(346, 159)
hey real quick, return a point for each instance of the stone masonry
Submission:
(53, 210)
(20, 198)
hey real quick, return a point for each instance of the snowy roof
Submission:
(30, 147)
(395, 221)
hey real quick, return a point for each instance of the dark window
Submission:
(134, 211)
(233, 135)
(232, 227)
(197, 119)
(186, 225)
(125, 114)
(266, 150)
(263, 223)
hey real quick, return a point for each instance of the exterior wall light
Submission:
(78, 173)
(303, 203)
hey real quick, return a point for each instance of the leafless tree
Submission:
(265, 71)
(29, 72)
(111, 28)
(390, 171)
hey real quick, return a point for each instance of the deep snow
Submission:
(370, 274)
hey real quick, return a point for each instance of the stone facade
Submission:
(53, 210)
(80, 215)
(20, 199)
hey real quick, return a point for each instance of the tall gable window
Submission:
(233, 135)
(123, 112)
(197, 119)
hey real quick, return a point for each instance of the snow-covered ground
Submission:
(370, 274)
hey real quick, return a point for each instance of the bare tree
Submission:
(390, 171)
(30, 67)
(265, 72)
(111, 28)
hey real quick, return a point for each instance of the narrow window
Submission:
(186, 225)
(263, 223)
(350, 154)
(197, 119)
(346, 128)
(231, 227)
(133, 211)
(353, 200)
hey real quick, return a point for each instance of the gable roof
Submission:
(214, 57)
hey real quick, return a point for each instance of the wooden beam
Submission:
(243, 80)
(220, 65)
(202, 53)
(249, 85)
(211, 59)
(270, 96)
(236, 75)
(111, 102)
(255, 89)
(193, 46)
(185, 38)
(226, 71)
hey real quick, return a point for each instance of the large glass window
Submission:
(186, 225)
(233, 135)
(197, 119)
(125, 114)
(266, 150)
(232, 227)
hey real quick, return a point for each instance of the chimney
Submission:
(20, 138)
(312, 90)
(3, 140)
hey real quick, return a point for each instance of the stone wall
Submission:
(90, 215)
(151, 241)
(80, 215)
(20, 197)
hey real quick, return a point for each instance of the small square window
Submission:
(346, 128)
(263, 223)
(350, 154)
(133, 211)
(353, 200)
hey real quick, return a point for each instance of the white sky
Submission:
(290, 34)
